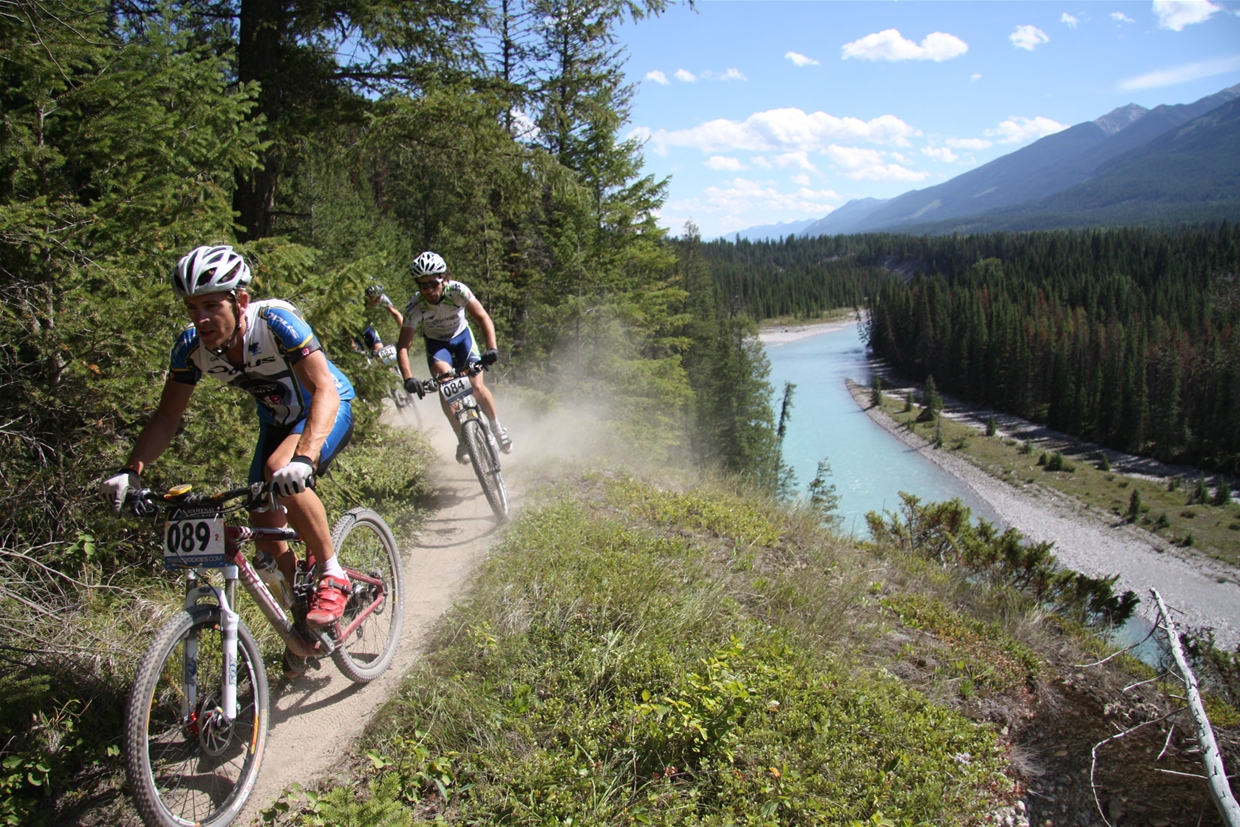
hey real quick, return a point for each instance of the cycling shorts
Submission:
(370, 337)
(270, 436)
(460, 351)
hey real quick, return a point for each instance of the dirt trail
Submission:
(316, 718)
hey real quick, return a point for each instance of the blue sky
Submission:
(763, 111)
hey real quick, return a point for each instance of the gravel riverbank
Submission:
(1204, 592)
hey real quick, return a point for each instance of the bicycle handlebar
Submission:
(432, 385)
(147, 501)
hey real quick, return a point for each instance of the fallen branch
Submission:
(1228, 810)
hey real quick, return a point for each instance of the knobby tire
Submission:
(182, 769)
(364, 544)
(486, 466)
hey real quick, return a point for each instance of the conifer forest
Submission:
(1126, 336)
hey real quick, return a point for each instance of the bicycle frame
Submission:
(238, 568)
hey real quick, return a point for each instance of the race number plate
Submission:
(193, 538)
(387, 354)
(454, 390)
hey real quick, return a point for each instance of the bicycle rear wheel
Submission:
(486, 466)
(187, 764)
(367, 551)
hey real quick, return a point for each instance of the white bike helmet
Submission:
(210, 269)
(428, 264)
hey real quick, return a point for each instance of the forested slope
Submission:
(1122, 336)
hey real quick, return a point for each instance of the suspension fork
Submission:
(195, 592)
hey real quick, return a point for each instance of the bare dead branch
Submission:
(1216, 775)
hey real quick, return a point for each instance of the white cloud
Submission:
(889, 44)
(658, 77)
(1182, 74)
(974, 144)
(976, 76)
(1028, 37)
(1120, 17)
(940, 153)
(1069, 20)
(799, 59)
(861, 164)
(686, 76)
(1017, 129)
(733, 74)
(799, 160)
(722, 162)
(800, 179)
(1176, 14)
(887, 172)
(745, 196)
(781, 130)
(761, 161)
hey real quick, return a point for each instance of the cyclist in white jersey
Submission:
(266, 349)
(377, 306)
(438, 312)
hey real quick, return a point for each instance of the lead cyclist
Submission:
(438, 311)
(304, 409)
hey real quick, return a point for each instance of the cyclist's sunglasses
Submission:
(427, 282)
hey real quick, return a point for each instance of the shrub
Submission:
(1104, 464)
(991, 428)
(1134, 506)
(1222, 494)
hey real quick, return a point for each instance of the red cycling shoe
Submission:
(329, 601)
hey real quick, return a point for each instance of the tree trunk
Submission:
(262, 24)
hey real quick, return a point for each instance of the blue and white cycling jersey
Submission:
(442, 321)
(276, 338)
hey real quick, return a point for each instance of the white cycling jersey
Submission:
(443, 321)
(276, 338)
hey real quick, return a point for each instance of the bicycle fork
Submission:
(229, 621)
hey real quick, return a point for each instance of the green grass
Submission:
(1209, 526)
(632, 655)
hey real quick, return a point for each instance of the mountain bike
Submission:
(198, 712)
(458, 393)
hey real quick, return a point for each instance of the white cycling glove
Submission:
(385, 301)
(114, 489)
(295, 477)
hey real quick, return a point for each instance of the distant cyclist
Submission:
(438, 312)
(305, 417)
(377, 301)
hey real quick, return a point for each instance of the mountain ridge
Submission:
(1019, 188)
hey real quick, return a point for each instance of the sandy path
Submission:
(1205, 592)
(316, 718)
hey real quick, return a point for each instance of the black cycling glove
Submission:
(490, 357)
(414, 386)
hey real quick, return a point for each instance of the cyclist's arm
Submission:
(396, 314)
(316, 377)
(402, 352)
(159, 430)
(480, 315)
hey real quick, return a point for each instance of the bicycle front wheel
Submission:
(187, 764)
(486, 466)
(373, 617)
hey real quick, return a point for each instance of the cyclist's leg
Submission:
(305, 510)
(438, 362)
(464, 354)
(269, 438)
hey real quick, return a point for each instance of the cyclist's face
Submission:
(431, 288)
(214, 317)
